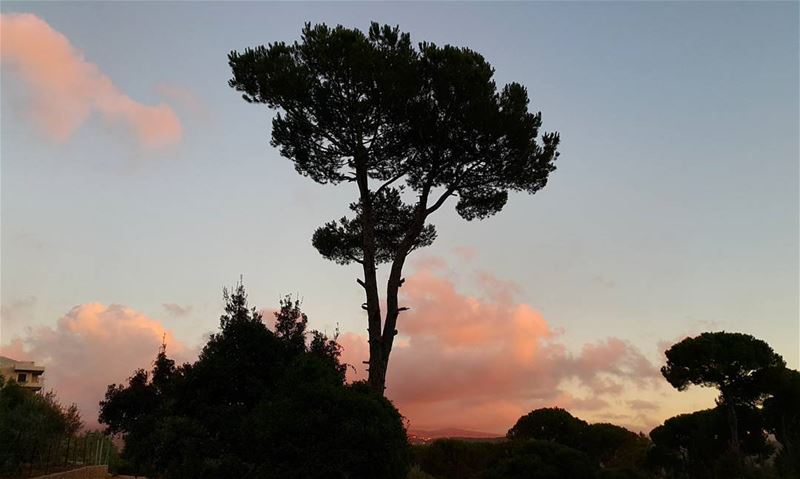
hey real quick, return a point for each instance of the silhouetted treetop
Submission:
(720, 359)
(549, 424)
(291, 322)
(257, 403)
(431, 116)
(728, 361)
(411, 127)
(333, 90)
(236, 308)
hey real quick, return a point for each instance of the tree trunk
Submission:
(392, 310)
(393, 289)
(377, 369)
(733, 424)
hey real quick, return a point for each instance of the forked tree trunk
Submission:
(382, 332)
(379, 365)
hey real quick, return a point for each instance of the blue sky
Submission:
(674, 208)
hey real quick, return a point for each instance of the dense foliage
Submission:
(608, 445)
(541, 460)
(758, 397)
(32, 426)
(731, 362)
(390, 117)
(698, 444)
(528, 459)
(727, 361)
(549, 424)
(781, 415)
(257, 403)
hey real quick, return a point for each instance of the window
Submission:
(22, 377)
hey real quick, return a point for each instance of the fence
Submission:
(88, 472)
(32, 455)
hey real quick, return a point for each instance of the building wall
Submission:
(11, 369)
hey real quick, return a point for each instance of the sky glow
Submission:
(135, 184)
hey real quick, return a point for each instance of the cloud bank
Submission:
(65, 89)
(92, 346)
(480, 362)
(474, 361)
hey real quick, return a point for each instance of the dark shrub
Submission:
(259, 404)
(453, 458)
(541, 460)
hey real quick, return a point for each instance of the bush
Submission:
(257, 403)
(33, 427)
(541, 460)
(453, 458)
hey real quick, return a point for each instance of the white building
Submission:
(25, 373)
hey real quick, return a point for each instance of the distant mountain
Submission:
(421, 436)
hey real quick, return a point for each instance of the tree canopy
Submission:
(541, 460)
(611, 446)
(411, 126)
(257, 403)
(549, 424)
(697, 444)
(727, 361)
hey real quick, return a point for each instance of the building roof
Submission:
(6, 362)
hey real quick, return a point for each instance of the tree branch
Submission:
(391, 180)
(452, 189)
(354, 259)
(441, 200)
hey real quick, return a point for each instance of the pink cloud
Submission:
(92, 346)
(480, 362)
(65, 89)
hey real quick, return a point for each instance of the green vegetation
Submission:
(38, 435)
(257, 403)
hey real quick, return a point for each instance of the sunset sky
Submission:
(136, 184)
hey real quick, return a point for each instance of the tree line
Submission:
(273, 402)
(752, 432)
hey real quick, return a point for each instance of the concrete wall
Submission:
(88, 472)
